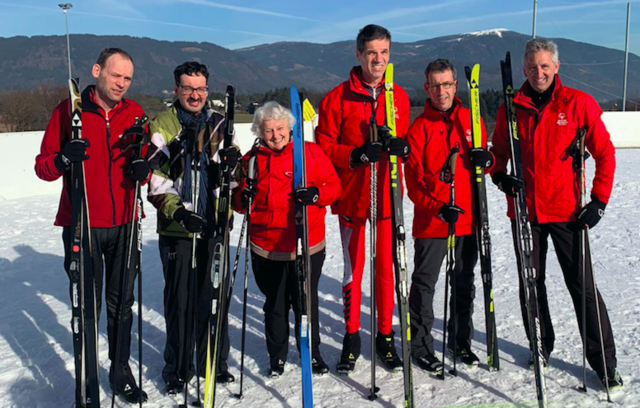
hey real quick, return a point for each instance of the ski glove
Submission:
(307, 195)
(189, 220)
(591, 213)
(367, 153)
(481, 157)
(449, 213)
(399, 147)
(138, 170)
(74, 151)
(229, 156)
(247, 196)
(508, 184)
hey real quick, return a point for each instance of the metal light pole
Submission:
(65, 7)
(626, 60)
(535, 14)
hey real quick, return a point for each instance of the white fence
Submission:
(20, 149)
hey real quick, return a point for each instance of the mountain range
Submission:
(31, 61)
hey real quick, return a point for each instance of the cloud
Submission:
(529, 12)
(244, 9)
(190, 26)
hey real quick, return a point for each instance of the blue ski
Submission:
(302, 252)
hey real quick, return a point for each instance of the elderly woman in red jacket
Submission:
(272, 227)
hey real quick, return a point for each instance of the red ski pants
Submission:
(352, 232)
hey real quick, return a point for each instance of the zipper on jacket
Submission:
(113, 201)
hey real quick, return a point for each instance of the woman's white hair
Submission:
(271, 111)
(541, 44)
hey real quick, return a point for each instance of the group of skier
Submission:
(349, 170)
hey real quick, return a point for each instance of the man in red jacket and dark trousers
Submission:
(443, 125)
(550, 116)
(343, 132)
(110, 174)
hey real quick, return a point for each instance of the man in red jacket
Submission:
(343, 132)
(550, 116)
(443, 125)
(110, 177)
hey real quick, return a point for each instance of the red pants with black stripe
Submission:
(352, 232)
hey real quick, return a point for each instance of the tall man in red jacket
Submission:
(343, 132)
(110, 175)
(443, 125)
(549, 116)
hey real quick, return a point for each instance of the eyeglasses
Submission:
(444, 85)
(202, 91)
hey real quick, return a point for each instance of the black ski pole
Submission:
(578, 164)
(251, 177)
(192, 302)
(447, 175)
(373, 194)
(584, 247)
(130, 263)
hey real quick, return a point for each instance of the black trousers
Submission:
(176, 263)
(566, 238)
(429, 255)
(108, 246)
(278, 282)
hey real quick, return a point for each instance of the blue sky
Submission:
(242, 23)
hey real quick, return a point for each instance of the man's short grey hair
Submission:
(541, 44)
(271, 111)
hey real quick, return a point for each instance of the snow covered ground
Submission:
(36, 368)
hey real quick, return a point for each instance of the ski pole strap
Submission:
(577, 148)
(373, 129)
(449, 168)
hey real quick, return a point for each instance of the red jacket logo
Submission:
(469, 136)
(562, 119)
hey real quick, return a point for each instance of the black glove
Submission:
(480, 157)
(449, 213)
(367, 153)
(399, 147)
(74, 151)
(189, 220)
(307, 195)
(138, 170)
(507, 183)
(591, 213)
(246, 196)
(229, 156)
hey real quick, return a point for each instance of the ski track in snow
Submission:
(36, 346)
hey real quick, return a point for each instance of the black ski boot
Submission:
(277, 369)
(318, 366)
(430, 363)
(614, 379)
(386, 351)
(125, 385)
(350, 353)
(225, 377)
(174, 387)
(466, 356)
(545, 362)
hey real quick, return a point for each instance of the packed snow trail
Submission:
(36, 345)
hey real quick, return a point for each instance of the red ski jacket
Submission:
(431, 137)
(552, 186)
(109, 191)
(344, 125)
(272, 226)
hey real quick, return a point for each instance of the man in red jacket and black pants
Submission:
(110, 177)
(443, 125)
(343, 132)
(550, 116)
